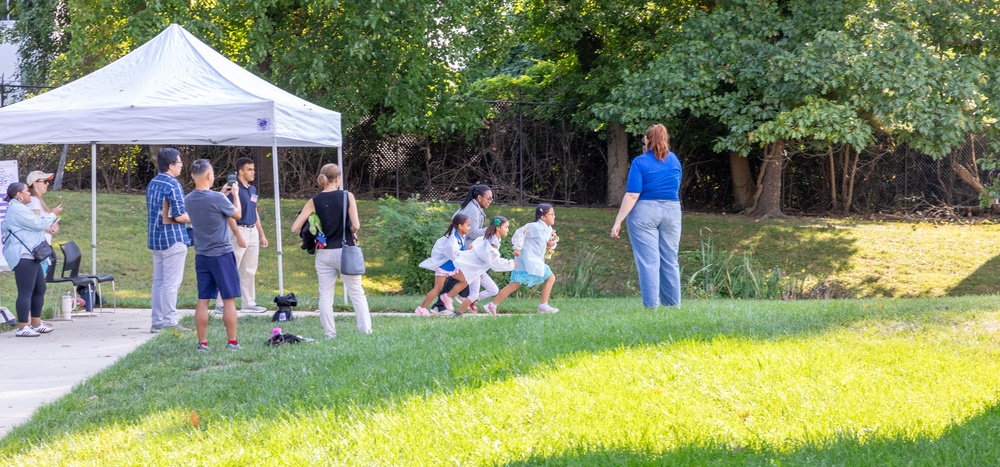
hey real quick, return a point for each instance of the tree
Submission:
(821, 72)
(573, 51)
(40, 35)
(401, 64)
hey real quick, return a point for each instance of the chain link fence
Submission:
(531, 153)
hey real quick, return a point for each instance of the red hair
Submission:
(658, 141)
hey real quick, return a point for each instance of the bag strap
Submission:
(343, 232)
(19, 239)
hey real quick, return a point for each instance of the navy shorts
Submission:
(217, 275)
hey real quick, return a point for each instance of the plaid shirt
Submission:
(163, 236)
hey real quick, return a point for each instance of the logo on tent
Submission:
(263, 124)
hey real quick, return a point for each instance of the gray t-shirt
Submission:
(209, 211)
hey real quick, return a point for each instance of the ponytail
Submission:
(456, 221)
(491, 229)
(542, 209)
(474, 191)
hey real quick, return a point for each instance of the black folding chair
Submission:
(50, 278)
(71, 270)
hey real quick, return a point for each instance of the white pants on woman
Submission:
(327, 270)
(490, 288)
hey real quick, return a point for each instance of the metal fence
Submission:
(530, 153)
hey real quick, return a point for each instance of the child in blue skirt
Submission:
(531, 243)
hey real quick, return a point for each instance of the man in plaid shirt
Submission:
(168, 238)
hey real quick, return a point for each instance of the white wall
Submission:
(8, 58)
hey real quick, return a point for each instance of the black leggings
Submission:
(30, 289)
(448, 285)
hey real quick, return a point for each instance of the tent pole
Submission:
(93, 208)
(277, 216)
(340, 163)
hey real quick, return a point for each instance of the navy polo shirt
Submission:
(248, 203)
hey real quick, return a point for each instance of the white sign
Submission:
(8, 175)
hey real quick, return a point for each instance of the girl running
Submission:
(445, 250)
(483, 255)
(531, 243)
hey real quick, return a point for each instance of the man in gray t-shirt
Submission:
(214, 262)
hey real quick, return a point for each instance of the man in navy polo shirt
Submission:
(247, 237)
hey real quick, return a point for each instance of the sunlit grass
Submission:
(603, 381)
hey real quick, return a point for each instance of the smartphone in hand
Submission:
(231, 179)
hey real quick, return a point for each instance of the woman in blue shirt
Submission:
(653, 210)
(23, 230)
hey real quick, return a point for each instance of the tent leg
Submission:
(93, 208)
(277, 216)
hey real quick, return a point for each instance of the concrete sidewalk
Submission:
(39, 370)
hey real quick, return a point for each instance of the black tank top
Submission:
(330, 209)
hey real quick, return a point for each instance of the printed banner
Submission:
(8, 175)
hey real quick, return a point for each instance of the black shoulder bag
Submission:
(41, 252)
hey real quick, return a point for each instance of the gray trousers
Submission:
(168, 273)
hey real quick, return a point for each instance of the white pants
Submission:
(490, 288)
(327, 270)
(246, 265)
(168, 273)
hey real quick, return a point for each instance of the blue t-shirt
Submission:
(655, 180)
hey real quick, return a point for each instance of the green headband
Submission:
(496, 221)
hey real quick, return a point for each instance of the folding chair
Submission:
(50, 278)
(71, 265)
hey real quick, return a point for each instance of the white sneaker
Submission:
(41, 328)
(440, 312)
(26, 331)
(421, 311)
(491, 309)
(545, 308)
(255, 309)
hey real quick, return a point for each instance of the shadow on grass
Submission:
(409, 357)
(982, 281)
(969, 443)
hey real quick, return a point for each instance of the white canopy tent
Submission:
(173, 90)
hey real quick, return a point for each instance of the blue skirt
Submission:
(530, 280)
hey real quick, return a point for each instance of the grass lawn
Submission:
(604, 382)
(856, 258)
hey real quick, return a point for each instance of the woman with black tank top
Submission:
(329, 207)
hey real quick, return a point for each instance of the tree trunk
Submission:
(849, 195)
(61, 170)
(768, 198)
(743, 186)
(833, 179)
(970, 174)
(618, 162)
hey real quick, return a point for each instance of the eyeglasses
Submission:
(490, 199)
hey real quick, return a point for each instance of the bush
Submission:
(724, 275)
(408, 231)
(582, 280)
